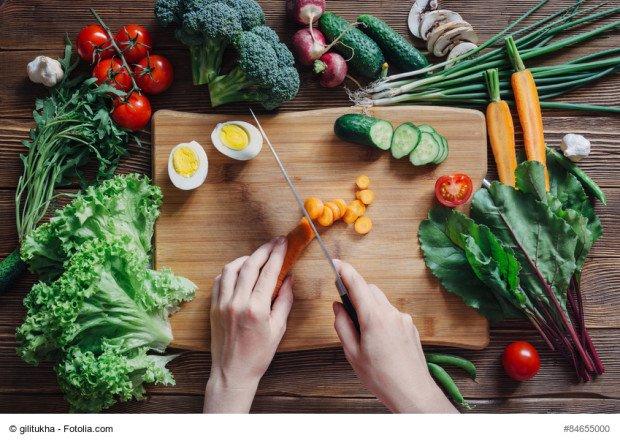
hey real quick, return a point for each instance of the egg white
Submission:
(255, 141)
(198, 178)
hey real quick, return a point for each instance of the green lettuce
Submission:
(124, 206)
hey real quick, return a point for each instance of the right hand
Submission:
(387, 353)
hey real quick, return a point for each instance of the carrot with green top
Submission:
(528, 108)
(501, 130)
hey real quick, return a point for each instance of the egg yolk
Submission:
(185, 161)
(234, 137)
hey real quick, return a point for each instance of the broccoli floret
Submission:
(265, 72)
(208, 27)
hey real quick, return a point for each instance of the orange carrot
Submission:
(335, 210)
(350, 215)
(501, 131)
(297, 241)
(341, 205)
(314, 206)
(363, 225)
(362, 182)
(359, 207)
(528, 108)
(366, 196)
(327, 217)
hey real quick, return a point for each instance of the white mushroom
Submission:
(45, 70)
(415, 15)
(458, 50)
(575, 146)
(433, 19)
(447, 40)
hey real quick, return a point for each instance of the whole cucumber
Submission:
(363, 55)
(11, 267)
(395, 47)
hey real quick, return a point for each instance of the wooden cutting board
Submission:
(244, 204)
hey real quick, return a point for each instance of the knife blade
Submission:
(342, 290)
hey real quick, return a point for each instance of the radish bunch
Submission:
(310, 44)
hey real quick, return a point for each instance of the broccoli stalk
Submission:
(206, 61)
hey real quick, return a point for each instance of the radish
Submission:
(305, 12)
(332, 68)
(309, 45)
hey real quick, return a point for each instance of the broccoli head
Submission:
(265, 72)
(208, 27)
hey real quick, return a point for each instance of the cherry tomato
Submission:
(112, 72)
(135, 41)
(93, 44)
(153, 74)
(521, 361)
(453, 190)
(133, 112)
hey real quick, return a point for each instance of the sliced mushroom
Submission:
(415, 15)
(450, 39)
(442, 29)
(458, 50)
(433, 19)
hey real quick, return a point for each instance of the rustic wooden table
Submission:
(313, 381)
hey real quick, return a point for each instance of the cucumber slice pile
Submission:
(430, 146)
(406, 137)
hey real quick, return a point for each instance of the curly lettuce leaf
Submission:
(93, 382)
(125, 206)
(450, 243)
(106, 293)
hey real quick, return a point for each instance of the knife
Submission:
(342, 290)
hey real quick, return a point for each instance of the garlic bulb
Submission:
(575, 146)
(45, 70)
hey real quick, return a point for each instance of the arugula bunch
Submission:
(521, 254)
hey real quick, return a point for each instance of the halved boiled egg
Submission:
(188, 165)
(237, 139)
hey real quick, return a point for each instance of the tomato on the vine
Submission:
(134, 41)
(521, 360)
(111, 71)
(93, 44)
(132, 112)
(453, 190)
(153, 74)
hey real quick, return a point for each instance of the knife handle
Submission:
(346, 302)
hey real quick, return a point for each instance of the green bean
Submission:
(452, 360)
(444, 379)
(589, 184)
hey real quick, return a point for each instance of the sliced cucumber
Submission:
(442, 147)
(364, 130)
(427, 128)
(426, 151)
(404, 140)
(446, 150)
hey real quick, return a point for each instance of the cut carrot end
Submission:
(362, 182)
(363, 225)
(366, 196)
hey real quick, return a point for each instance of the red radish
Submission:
(309, 45)
(332, 68)
(305, 12)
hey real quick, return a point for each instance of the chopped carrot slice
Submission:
(335, 210)
(350, 215)
(341, 205)
(326, 218)
(366, 196)
(363, 225)
(359, 207)
(362, 182)
(314, 206)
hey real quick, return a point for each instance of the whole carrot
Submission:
(501, 131)
(528, 108)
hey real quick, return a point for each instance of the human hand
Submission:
(387, 354)
(245, 328)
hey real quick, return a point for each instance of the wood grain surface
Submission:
(316, 380)
(244, 204)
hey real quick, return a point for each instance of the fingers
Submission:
(359, 292)
(248, 275)
(282, 305)
(346, 331)
(263, 290)
(229, 280)
(215, 291)
(378, 295)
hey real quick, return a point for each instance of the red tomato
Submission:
(133, 112)
(453, 190)
(521, 361)
(112, 72)
(135, 41)
(153, 74)
(93, 44)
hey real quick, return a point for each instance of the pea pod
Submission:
(588, 184)
(452, 360)
(444, 379)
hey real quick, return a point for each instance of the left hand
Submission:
(245, 328)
